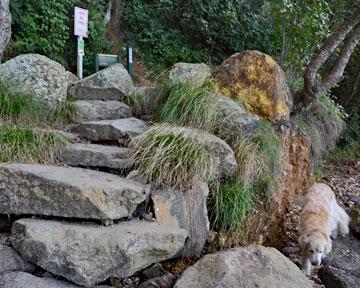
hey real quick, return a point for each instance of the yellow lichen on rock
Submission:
(257, 81)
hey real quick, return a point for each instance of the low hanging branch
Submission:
(313, 86)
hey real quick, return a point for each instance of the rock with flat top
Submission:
(102, 157)
(90, 110)
(112, 83)
(120, 131)
(67, 192)
(87, 254)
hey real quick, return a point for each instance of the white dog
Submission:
(322, 218)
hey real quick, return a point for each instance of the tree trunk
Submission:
(117, 19)
(5, 25)
(313, 86)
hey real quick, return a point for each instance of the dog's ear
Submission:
(327, 247)
(304, 240)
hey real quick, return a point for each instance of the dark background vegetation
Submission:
(163, 32)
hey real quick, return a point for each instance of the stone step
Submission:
(67, 192)
(111, 159)
(26, 280)
(120, 131)
(88, 254)
(112, 83)
(91, 110)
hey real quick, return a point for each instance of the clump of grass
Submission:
(323, 122)
(22, 108)
(230, 203)
(27, 145)
(136, 102)
(189, 104)
(250, 160)
(167, 157)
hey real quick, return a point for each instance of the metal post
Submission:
(80, 44)
(129, 60)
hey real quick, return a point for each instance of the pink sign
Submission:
(81, 22)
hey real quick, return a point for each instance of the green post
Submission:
(129, 60)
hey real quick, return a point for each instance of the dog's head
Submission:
(315, 246)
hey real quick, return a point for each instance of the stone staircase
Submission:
(70, 204)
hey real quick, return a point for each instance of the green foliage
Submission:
(23, 108)
(189, 104)
(46, 27)
(270, 145)
(167, 157)
(170, 31)
(229, 204)
(302, 26)
(27, 145)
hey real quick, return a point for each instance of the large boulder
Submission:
(102, 157)
(11, 261)
(119, 131)
(87, 254)
(112, 83)
(91, 110)
(67, 192)
(5, 25)
(187, 210)
(25, 280)
(341, 267)
(235, 120)
(189, 72)
(37, 74)
(257, 81)
(246, 267)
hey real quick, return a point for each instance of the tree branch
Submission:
(329, 46)
(331, 78)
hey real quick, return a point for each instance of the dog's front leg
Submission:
(306, 266)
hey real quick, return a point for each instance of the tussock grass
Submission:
(230, 203)
(322, 122)
(26, 145)
(270, 146)
(166, 157)
(136, 102)
(189, 104)
(21, 108)
(250, 160)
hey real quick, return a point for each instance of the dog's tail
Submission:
(344, 221)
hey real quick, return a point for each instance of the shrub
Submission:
(189, 104)
(24, 108)
(46, 27)
(26, 145)
(167, 157)
(229, 203)
(323, 122)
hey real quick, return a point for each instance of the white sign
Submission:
(81, 22)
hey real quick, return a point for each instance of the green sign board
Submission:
(81, 47)
(105, 60)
